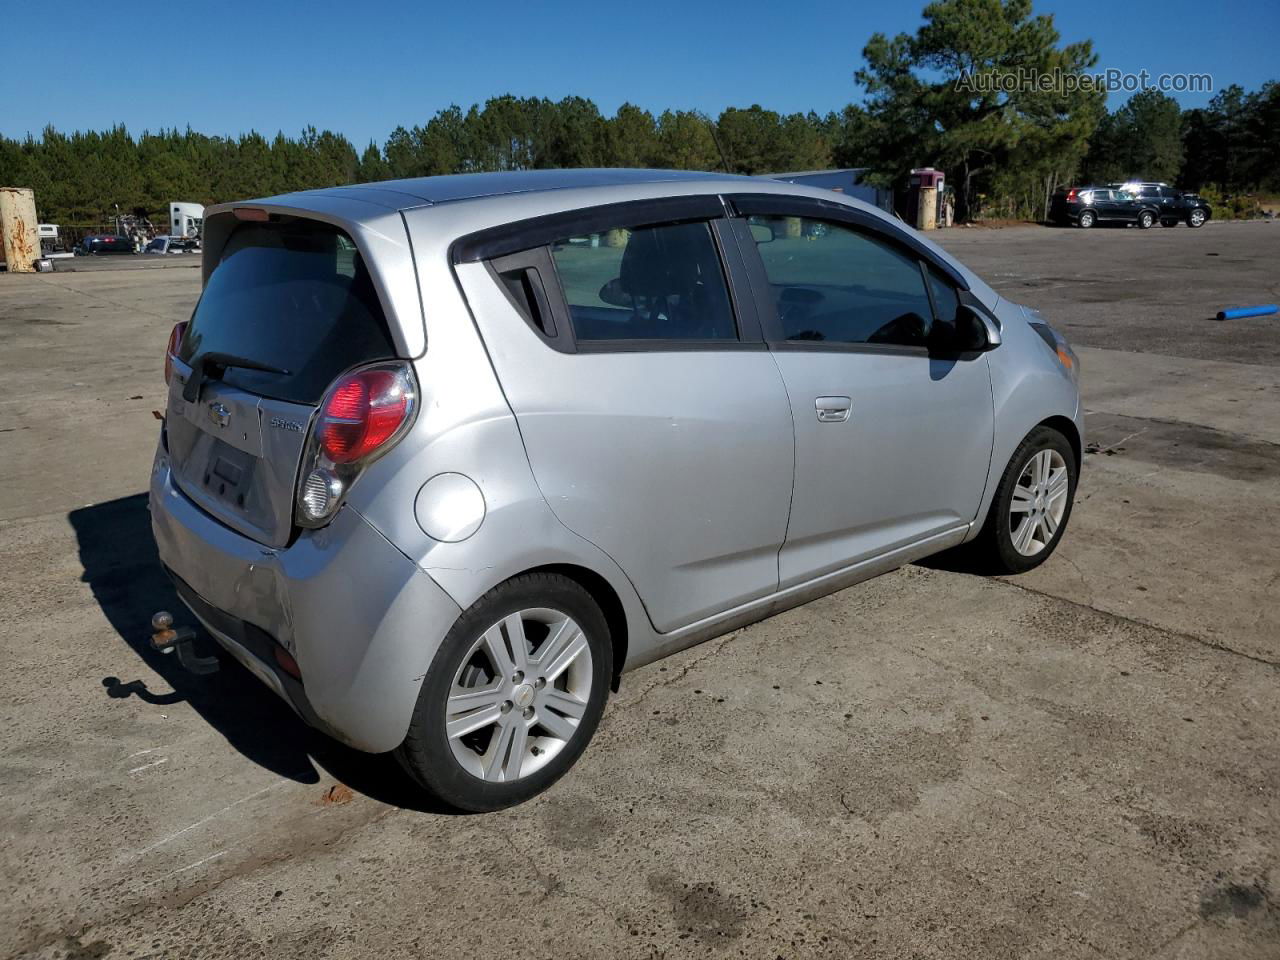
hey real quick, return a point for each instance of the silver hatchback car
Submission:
(444, 457)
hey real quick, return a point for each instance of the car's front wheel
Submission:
(1032, 504)
(513, 696)
(1196, 218)
(1146, 220)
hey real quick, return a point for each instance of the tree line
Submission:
(1004, 148)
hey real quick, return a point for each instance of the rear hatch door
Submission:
(288, 308)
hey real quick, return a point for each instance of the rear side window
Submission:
(834, 284)
(294, 296)
(650, 283)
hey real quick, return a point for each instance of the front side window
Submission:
(834, 284)
(650, 283)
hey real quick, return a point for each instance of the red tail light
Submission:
(1071, 195)
(363, 410)
(363, 415)
(171, 351)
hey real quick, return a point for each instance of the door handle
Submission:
(832, 409)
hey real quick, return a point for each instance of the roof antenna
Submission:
(719, 149)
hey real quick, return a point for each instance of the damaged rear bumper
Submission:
(362, 621)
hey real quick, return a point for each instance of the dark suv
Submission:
(99, 243)
(1174, 206)
(1088, 206)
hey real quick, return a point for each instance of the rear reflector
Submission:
(289, 665)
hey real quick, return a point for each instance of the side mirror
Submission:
(613, 294)
(972, 333)
(761, 233)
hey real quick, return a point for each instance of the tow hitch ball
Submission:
(165, 639)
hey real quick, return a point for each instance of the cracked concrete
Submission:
(1083, 761)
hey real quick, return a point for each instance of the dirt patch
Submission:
(702, 910)
(336, 795)
(1242, 901)
(1186, 446)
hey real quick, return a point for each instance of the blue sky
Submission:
(362, 69)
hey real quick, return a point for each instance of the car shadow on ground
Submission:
(118, 555)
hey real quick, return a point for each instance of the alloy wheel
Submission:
(519, 695)
(1197, 217)
(1039, 502)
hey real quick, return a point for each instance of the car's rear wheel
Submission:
(513, 696)
(1196, 218)
(1146, 220)
(1032, 504)
(1088, 218)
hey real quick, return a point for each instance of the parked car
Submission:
(438, 473)
(1174, 206)
(95, 244)
(168, 245)
(1089, 206)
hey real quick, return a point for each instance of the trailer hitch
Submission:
(165, 639)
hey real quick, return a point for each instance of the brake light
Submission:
(171, 351)
(363, 415)
(362, 412)
(1071, 195)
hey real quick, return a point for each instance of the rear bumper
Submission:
(361, 619)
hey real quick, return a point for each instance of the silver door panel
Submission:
(677, 464)
(909, 462)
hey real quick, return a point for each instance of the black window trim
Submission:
(742, 303)
(539, 231)
(787, 205)
(544, 282)
(749, 293)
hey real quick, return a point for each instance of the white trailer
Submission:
(51, 247)
(186, 219)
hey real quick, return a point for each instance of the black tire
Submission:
(993, 550)
(1192, 223)
(426, 754)
(1087, 219)
(1146, 220)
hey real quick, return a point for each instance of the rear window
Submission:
(650, 283)
(294, 296)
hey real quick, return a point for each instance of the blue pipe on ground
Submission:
(1236, 313)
